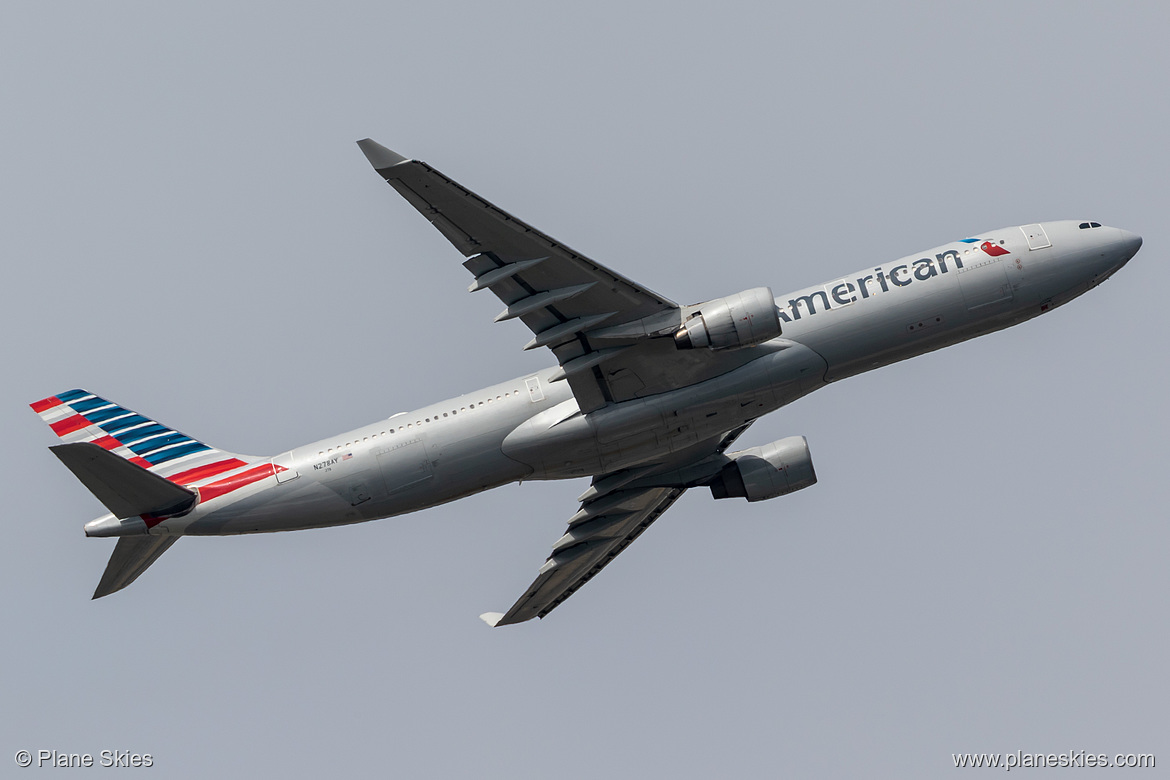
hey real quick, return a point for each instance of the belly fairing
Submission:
(561, 442)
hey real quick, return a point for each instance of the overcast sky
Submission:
(190, 230)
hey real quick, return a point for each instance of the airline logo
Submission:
(81, 416)
(112, 427)
(992, 249)
(881, 281)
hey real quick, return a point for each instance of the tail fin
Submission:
(132, 556)
(138, 468)
(78, 416)
(81, 416)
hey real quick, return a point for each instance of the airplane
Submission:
(646, 399)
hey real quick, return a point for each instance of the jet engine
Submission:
(741, 320)
(761, 473)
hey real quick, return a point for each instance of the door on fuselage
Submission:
(285, 467)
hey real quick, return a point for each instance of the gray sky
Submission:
(190, 230)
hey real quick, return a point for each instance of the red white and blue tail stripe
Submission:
(81, 416)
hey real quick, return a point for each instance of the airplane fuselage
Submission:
(531, 428)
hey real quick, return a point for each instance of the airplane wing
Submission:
(586, 549)
(569, 302)
(614, 512)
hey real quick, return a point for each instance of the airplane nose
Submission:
(1129, 243)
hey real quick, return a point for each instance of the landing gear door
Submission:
(286, 468)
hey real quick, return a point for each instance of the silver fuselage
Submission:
(530, 427)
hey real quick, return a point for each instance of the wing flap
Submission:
(494, 276)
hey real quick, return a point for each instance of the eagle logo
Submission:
(993, 250)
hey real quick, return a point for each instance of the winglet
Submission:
(379, 156)
(491, 618)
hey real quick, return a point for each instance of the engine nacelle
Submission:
(761, 473)
(741, 320)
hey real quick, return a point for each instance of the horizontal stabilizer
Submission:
(126, 489)
(132, 556)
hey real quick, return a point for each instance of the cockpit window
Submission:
(1087, 225)
(1094, 224)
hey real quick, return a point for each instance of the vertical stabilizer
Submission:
(79, 416)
